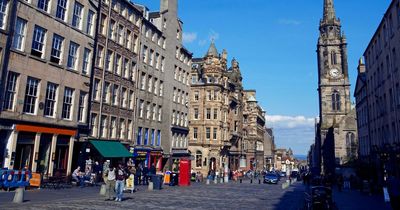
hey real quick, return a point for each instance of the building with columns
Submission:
(215, 136)
(337, 125)
(43, 113)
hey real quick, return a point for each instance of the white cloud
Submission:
(289, 22)
(289, 121)
(296, 132)
(189, 37)
(202, 42)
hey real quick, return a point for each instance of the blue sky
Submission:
(275, 42)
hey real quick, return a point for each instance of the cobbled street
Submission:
(197, 196)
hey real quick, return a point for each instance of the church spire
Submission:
(212, 50)
(329, 10)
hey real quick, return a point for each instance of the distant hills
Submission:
(301, 157)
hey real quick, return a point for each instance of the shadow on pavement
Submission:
(293, 198)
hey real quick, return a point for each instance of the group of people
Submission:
(115, 178)
(90, 175)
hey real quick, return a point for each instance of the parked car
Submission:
(271, 178)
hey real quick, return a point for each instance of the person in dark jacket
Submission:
(145, 175)
(152, 169)
(138, 175)
(97, 169)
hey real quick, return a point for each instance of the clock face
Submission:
(334, 73)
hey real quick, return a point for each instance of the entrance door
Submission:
(61, 155)
(24, 151)
(44, 153)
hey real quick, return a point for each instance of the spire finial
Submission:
(212, 50)
(329, 10)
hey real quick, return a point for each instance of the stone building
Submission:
(253, 131)
(378, 100)
(43, 113)
(269, 149)
(112, 110)
(338, 132)
(163, 88)
(216, 112)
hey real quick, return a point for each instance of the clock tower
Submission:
(333, 87)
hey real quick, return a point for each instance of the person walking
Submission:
(145, 175)
(120, 180)
(138, 175)
(110, 184)
(97, 169)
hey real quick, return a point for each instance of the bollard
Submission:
(103, 189)
(216, 180)
(150, 186)
(240, 181)
(19, 195)
(208, 181)
(222, 180)
(259, 181)
(251, 181)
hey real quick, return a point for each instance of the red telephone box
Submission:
(184, 172)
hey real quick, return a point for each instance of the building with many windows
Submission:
(254, 131)
(43, 112)
(113, 93)
(216, 114)
(378, 100)
(163, 89)
(269, 149)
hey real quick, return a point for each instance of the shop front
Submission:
(177, 156)
(156, 158)
(101, 151)
(42, 150)
(141, 156)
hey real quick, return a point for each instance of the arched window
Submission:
(335, 101)
(333, 58)
(351, 147)
(199, 158)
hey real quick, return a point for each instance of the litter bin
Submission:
(157, 181)
(174, 179)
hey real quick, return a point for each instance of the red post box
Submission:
(184, 172)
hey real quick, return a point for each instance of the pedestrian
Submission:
(152, 169)
(110, 183)
(145, 173)
(97, 169)
(393, 184)
(138, 175)
(132, 172)
(120, 182)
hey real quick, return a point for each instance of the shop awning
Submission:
(111, 149)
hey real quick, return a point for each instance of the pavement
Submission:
(355, 200)
(197, 196)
